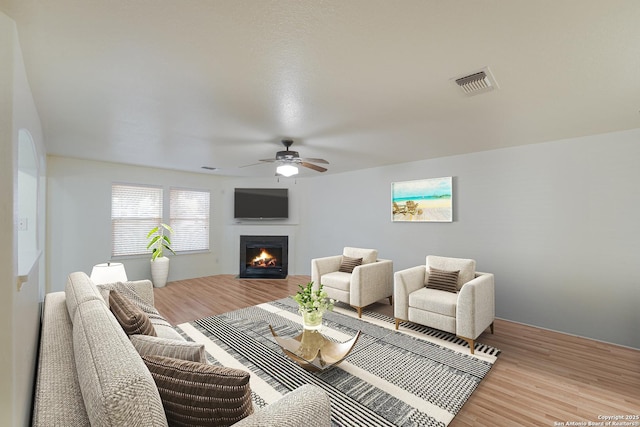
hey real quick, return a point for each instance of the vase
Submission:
(159, 271)
(312, 320)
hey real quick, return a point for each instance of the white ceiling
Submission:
(182, 84)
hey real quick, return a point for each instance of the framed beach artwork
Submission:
(423, 200)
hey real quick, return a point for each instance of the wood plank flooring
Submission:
(541, 378)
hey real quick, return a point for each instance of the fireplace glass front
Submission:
(263, 257)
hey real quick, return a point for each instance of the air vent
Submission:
(478, 82)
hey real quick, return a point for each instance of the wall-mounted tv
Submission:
(261, 203)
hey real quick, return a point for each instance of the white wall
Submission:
(232, 229)
(79, 218)
(7, 275)
(20, 308)
(557, 223)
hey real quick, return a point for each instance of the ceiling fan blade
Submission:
(268, 160)
(323, 161)
(312, 166)
(252, 164)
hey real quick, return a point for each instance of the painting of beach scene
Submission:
(423, 200)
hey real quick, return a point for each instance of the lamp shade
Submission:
(110, 272)
(287, 170)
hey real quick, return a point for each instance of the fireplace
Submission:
(264, 257)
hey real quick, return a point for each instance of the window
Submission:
(189, 218)
(135, 210)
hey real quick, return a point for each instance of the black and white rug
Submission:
(416, 376)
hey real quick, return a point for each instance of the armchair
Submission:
(466, 310)
(357, 284)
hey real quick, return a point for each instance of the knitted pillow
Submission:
(178, 349)
(348, 264)
(132, 319)
(198, 394)
(443, 280)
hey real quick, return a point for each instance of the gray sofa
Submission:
(89, 372)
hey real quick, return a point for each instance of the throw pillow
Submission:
(176, 349)
(132, 319)
(443, 280)
(348, 264)
(126, 289)
(197, 394)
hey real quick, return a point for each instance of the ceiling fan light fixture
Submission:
(287, 170)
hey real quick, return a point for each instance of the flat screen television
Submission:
(261, 203)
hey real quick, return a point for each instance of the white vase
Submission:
(159, 271)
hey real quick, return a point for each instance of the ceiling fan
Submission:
(289, 159)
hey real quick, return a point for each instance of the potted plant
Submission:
(312, 304)
(158, 242)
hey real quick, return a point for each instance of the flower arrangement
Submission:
(312, 304)
(309, 300)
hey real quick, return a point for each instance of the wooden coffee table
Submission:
(313, 351)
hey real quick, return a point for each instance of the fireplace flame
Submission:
(265, 259)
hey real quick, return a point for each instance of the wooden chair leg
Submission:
(390, 299)
(491, 327)
(359, 309)
(398, 323)
(471, 343)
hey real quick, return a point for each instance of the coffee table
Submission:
(313, 351)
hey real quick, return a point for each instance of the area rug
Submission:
(416, 376)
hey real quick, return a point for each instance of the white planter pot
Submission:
(160, 271)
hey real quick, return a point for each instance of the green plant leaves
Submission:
(159, 241)
(153, 231)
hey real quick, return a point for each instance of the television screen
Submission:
(261, 203)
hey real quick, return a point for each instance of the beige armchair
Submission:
(466, 310)
(370, 280)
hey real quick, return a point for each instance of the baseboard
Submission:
(570, 334)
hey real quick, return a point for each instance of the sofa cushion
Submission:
(116, 386)
(57, 399)
(467, 267)
(348, 264)
(308, 405)
(164, 330)
(131, 318)
(337, 280)
(368, 255)
(200, 394)
(128, 289)
(434, 301)
(443, 280)
(178, 349)
(79, 288)
(131, 291)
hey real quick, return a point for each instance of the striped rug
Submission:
(416, 376)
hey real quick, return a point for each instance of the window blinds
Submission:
(189, 218)
(135, 210)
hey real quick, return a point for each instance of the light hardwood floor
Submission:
(541, 377)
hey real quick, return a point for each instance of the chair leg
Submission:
(491, 327)
(471, 343)
(390, 299)
(359, 310)
(398, 323)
